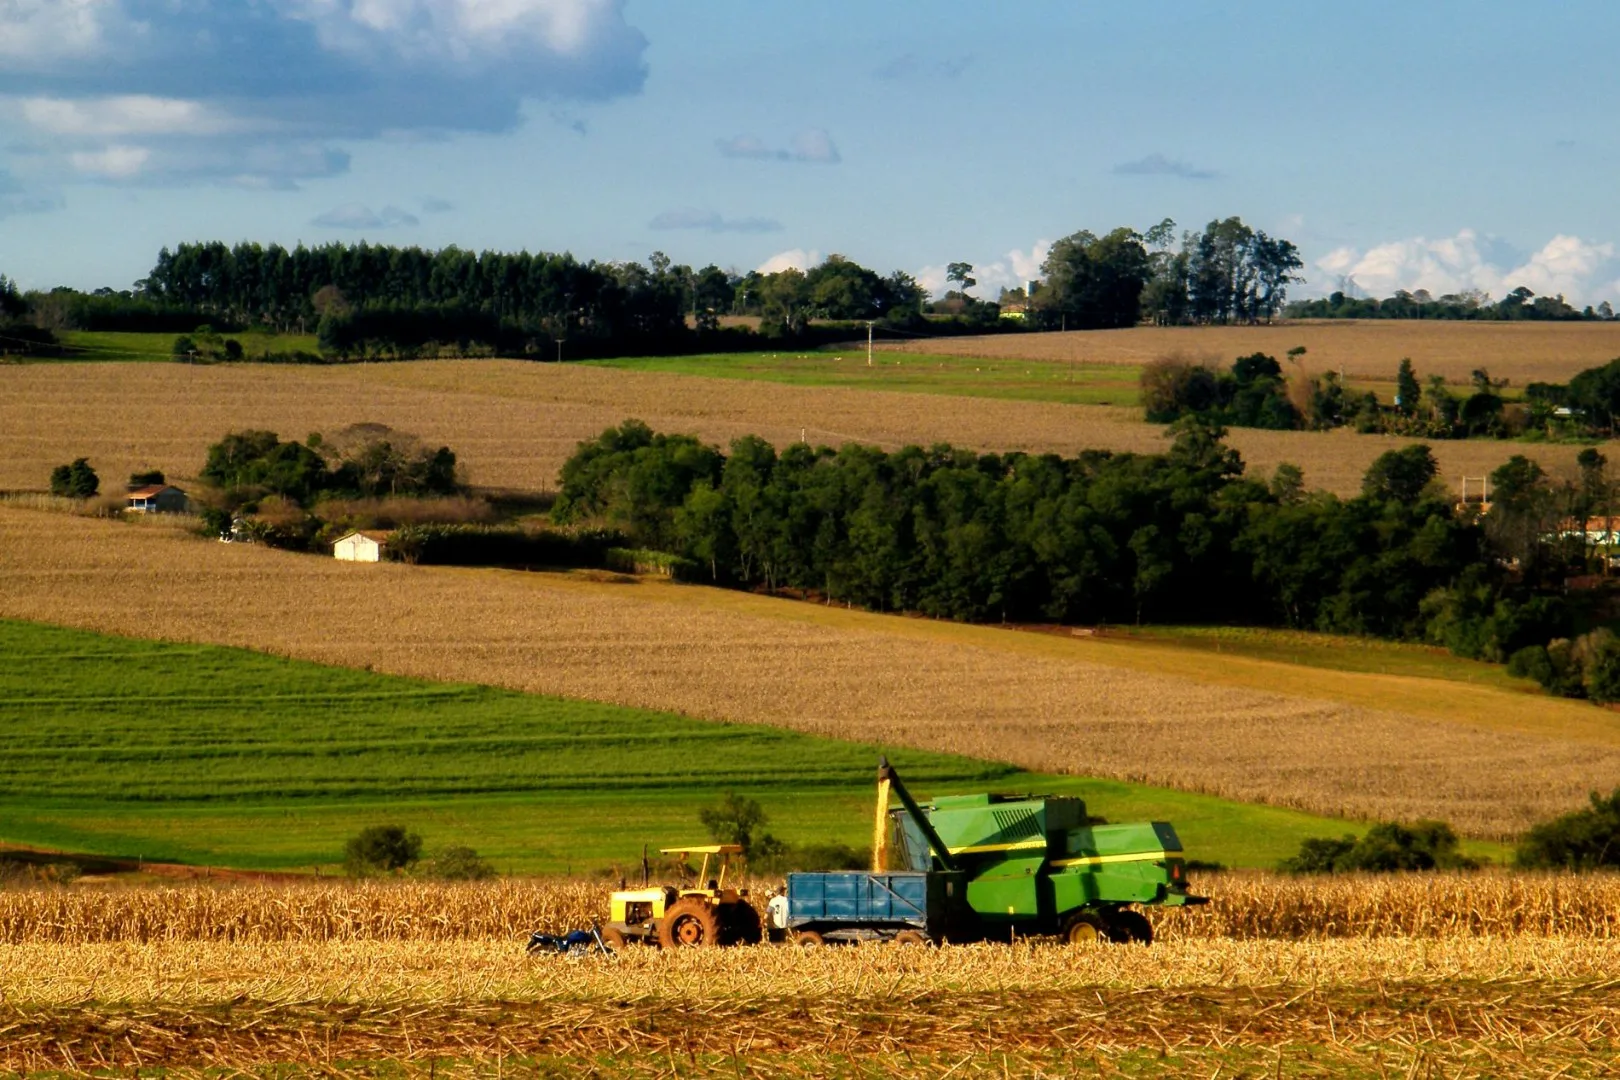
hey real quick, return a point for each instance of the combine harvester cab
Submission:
(991, 867)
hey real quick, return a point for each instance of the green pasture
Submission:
(1022, 380)
(208, 755)
(145, 348)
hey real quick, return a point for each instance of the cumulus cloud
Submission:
(113, 162)
(84, 74)
(1159, 165)
(1580, 270)
(709, 221)
(359, 216)
(813, 146)
(792, 259)
(1013, 270)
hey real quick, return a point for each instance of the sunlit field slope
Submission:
(1340, 743)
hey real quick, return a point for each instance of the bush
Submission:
(144, 479)
(1583, 840)
(1386, 847)
(381, 849)
(75, 481)
(458, 863)
(496, 545)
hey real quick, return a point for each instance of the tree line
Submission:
(1256, 392)
(1470, 304)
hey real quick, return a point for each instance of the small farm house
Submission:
(157, 499)
(361, 546)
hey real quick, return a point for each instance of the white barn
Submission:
(363, 545)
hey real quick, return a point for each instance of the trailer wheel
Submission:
(1127, 927)
(809, 939)
(911, 937)
(689, 923)
(1081, 928)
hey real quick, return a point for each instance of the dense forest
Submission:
(1470, 304)
(1178, 537)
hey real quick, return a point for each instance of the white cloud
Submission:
(115, 162)
(121, 116)
(794, 259)
(1013, 270)
(457, 30)
(813, 146)
(358, 216)
(35, 33)
(1566, 265)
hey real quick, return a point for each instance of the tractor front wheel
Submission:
(740, 924)
(614, 938)
(1081, 928)
(689, 923)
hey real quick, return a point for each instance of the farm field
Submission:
(423, 981)
(910, 372)
(1335, 742)
(1364, 350)
(104, 346)
(512, 424)
(213, 756)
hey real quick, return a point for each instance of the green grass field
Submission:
(1024, 380)
(207, 755)
(146, 348)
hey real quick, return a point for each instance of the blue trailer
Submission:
(895, 905)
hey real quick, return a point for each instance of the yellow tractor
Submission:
(708, 915)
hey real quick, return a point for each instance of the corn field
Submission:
(1244, 907)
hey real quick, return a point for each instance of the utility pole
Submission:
(868, 342)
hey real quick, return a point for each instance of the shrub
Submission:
(1386, 847)
(381, 849)
(457, 863)
(75, 481)
(144, 479)
(1586, 839)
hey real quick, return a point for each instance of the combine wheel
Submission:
(911, 937)
(1081, 928)
(740, 925)
(614, 938)
(809, 939)
(689, 923)
(1127, 927)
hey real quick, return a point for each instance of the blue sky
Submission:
(1443, 146)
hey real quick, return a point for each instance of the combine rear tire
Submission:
(689, 924)
(1081, 928)
(1130, 927)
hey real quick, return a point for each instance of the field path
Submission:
(512, 424)
(1337, 743)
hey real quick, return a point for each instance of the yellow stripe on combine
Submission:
(1098, 860)
(1038, 842)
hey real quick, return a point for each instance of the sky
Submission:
(1444, 146)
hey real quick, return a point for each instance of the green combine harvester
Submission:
(988, 868)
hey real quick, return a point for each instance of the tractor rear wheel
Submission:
(1127, 927)
(689, 923)
(1081, 928)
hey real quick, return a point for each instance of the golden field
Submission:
(1371, 349)
(1360, 745)
(512, 424)
(1530, 1001)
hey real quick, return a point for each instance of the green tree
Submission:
(1400, 476)
(1407, 391)
(1586, 839)
(1094, 282)
(737, 819)
(962, 274)
(381, 849)
(76, 480)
